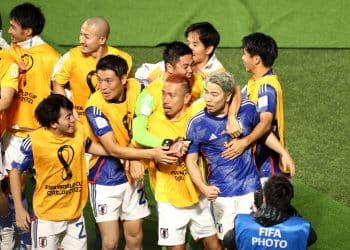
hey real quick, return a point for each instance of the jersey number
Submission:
(82, 231)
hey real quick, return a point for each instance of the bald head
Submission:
(99, 24)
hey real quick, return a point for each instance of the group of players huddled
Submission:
(86, 129)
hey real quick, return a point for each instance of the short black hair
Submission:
(278, 192)
(29, 16)
(48, 110)
(115, 63)
(262, 45)
(208, 35)
(174, 50)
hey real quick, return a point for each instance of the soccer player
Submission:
(203, 39)
(231, 181)
(8, 88)
(57, 150)
(109, 112)
(77, 66)
(36, 60)
(174, 190)
(274, 224)
(265, 91)
(178, 60)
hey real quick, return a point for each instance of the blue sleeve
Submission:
(98, 121)
(24, 161)
(267, 99)
(190, 135)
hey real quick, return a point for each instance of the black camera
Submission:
(258, 198)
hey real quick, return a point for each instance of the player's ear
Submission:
(228, 98)
(187, 98)
(54, 125)
(169, 68)
(124, 79)
(103, 40)
(28, 32)
(257, 59)
(209, 50)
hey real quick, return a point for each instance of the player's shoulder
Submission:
(197, 118)
(247, 103)
(119, 52)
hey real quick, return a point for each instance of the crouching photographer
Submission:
(274, 223)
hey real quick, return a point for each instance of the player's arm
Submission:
(9, 86)
(232, 126)
(266, 108)
(210, 192)
(103, 131)
(22, 163)
(114, 149)
(287, 162)
(61, 74)
(144, 108)
(95, 148)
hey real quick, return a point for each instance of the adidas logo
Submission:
(212, 137)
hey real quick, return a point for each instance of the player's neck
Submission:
(101, 52)
(260, 72)
(199, 66)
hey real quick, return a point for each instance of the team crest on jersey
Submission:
(28, 61)
(91, 80)
(42, 242)
(102, 209)
(164, 233)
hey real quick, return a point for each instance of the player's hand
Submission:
(180, 146)
(211, 192)
(232, 127)
(288, 165)
(22, 219)
(126, 164)
(137, 170)
(165, 156)
(234, 148)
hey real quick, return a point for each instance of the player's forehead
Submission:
(213, 87)
(193, 36)
(65, 112)
(88, 29)
(185, 60)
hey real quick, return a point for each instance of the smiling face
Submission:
(65, 124)
(249, 61)
(200, 52)
(90, 40)
(182, 67)
(17, 33)
(111, 86)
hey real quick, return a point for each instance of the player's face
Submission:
(215, 99)
(183, 66)
(175, 99)
(249, 61)
(200, 52)
(66, 123)
(17, 33)
(89, 39)
(111, 86)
